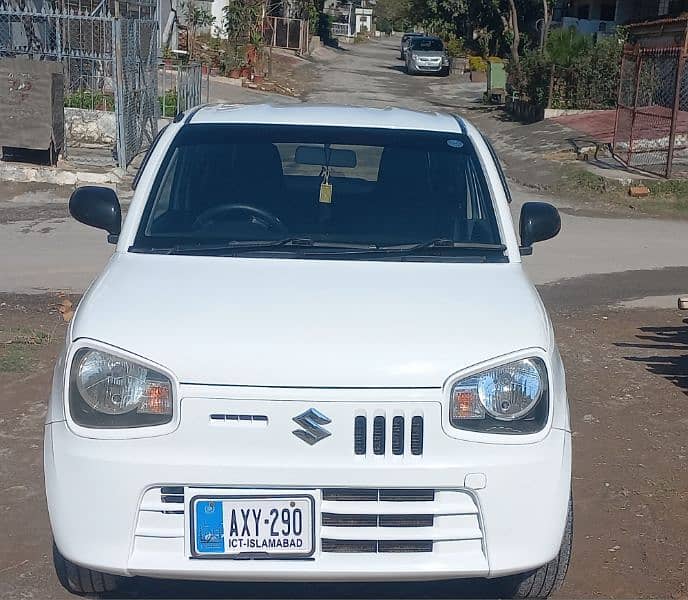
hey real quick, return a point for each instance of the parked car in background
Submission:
(405, 40)
(427, 55)
(314, 355)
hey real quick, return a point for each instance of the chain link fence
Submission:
(646, 122)
(651, 131)
(83, 43)
(136, 59)
(109, 53)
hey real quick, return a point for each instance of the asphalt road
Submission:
(47, 251)
(609, 284)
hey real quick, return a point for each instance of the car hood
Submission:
(429, 53)
(311, 323)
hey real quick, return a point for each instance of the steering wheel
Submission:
(257, 215)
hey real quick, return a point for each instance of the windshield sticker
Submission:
(455, 143)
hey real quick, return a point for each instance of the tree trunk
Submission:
(516, 42)
(546, 20)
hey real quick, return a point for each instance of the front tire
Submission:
(542, 582)
(80, 580)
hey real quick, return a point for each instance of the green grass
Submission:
(18, 354)
(667, 197)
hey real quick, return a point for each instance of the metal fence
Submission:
(340, 29)
(83, 43)
(181, 87)
(651, 130)
(649, 113)
(109, 52)
(136, 60)
(284, 32)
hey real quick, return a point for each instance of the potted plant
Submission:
(167, 57)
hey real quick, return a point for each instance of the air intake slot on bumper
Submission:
(369, 520)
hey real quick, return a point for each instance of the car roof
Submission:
(327, 115)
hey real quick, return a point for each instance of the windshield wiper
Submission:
(250, 246)
(441, 244)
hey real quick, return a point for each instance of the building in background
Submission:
(603, 16)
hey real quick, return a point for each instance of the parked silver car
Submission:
(406, 40)
(427, 55)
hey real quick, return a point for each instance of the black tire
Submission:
(546, 580)
(444, 72)
(79, 580)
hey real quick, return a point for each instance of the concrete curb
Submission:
(20, 172)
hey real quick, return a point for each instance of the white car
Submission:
(313, 356)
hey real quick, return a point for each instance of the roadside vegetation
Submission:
(666, 198)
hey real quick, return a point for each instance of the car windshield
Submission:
(427, 44)
(316, 186)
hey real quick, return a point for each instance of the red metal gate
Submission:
(651, 130)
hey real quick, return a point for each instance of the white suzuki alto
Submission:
(313, 356)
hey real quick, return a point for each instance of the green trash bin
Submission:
(496, 81)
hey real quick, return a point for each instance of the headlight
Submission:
(510, 398)
(109, 391)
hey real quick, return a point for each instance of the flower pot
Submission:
(235, 73)
(246, 72)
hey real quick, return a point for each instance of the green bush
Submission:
(168, 103)
(532, 77)
(454, 47)
(90, 100)
(384, 25)
(477, 63)
(566, 46)
(575, 72)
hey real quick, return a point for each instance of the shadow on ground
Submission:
(668, 357)
(158, 589)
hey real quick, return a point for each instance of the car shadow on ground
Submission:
(667, 357)
(397, 68)
(158, 589)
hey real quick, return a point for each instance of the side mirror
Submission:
(98, 207)
(539, 222)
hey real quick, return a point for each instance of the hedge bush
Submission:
(588, 79)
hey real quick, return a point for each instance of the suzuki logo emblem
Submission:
(311, 422)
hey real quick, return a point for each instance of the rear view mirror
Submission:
(98, 207)
(539, 222)
(317, 156)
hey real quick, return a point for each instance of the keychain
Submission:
(326, 187)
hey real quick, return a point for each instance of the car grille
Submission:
(370, 520)
(397, 436)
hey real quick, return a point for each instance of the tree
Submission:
(196, 18)
(394, 12)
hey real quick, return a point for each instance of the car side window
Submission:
(500, 170)
(146, 158)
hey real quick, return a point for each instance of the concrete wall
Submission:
(88, 127)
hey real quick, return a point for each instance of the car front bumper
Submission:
(498, 509)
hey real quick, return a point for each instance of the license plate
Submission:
(258, 526)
